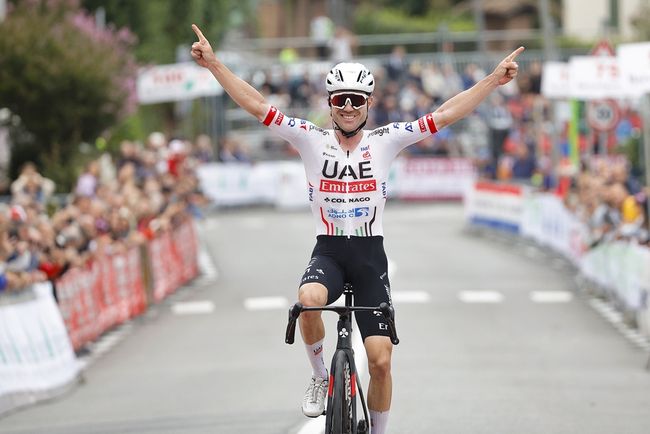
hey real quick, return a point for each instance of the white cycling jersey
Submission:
(347, 189)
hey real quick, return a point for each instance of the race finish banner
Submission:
(175, 82)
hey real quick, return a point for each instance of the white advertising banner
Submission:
(555, 80)
(284, 184)
(36, 356)
(549, 223)
(634, 61)
(431, 178)
(622, 267)
(175, 82)
(595, 77)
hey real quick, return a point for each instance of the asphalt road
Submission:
(494, 339)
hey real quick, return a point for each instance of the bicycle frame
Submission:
(344, 345)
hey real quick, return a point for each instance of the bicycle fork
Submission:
(344, 344)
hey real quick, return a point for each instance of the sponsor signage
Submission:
(555, 80)
(175, 82)
(499, 206)
(594, 77)
(348, 187)
(601, 75)
(634, 61)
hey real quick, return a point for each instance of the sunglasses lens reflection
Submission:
(341, 99)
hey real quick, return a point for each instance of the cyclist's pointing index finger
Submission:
(198, 32)
(514, 54)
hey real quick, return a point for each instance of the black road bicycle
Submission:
(341, 413)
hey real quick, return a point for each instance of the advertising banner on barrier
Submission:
(284, 184)
(36, 358)
(431, 178)
(546, 220)
(495, 205)
(107, 292)
(622, 267)
(173, 259)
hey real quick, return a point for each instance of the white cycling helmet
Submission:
(350, 76)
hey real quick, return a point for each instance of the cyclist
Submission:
(347, 169)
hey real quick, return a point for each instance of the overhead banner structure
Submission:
(555, 80)
(594, 77)
(175, 82)
(600, 75)
(634, 61)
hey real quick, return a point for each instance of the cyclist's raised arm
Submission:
(465, 102)
(241, 92)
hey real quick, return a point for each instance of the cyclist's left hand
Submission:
(508, 68)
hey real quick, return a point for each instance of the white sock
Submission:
(378, 421)
(315, 353)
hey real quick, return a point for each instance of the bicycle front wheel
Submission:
(343, 413)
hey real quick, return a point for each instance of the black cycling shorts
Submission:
(360, 261)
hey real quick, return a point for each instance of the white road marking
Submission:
(480, 296)
(206, 266)
(193, 307)
(314, 426)
(551, 296)
(410, 296)
(265, 303)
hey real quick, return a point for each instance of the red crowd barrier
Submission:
(113, 289)
(174, 260)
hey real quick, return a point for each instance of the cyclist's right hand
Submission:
(201, 50)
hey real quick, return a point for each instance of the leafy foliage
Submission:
(161, 26)
(372, 20)
(65, 79)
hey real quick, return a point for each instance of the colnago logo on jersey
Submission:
(347, 200)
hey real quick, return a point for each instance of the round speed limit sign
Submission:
(603, 115)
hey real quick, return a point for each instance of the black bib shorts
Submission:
(360, 261)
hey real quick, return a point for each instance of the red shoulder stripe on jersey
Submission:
(432, 125)
(269, 116)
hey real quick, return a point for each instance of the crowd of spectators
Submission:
(611, 202)
(116, 203)
(408, 88)
(508, 137)
(126, 200)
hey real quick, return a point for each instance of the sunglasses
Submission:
(356, 100)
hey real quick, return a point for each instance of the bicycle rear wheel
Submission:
(342, 403)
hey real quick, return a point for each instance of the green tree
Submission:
(64, 79)
(162, 27)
